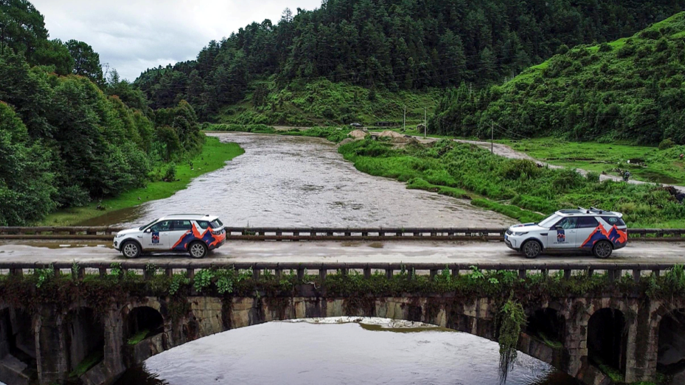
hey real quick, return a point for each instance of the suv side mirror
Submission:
(558, 227)
(148, 230)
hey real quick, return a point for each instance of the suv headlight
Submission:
(519, 233)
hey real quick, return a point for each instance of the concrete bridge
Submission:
(119, 315)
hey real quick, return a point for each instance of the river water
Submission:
(287, 181)
(331, 354)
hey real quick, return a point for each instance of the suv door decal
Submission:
(616, 236)
(194, 234)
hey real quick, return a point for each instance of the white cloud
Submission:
(133, 35)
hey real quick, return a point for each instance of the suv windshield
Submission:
(149, 224)
(216, 224)
(550, 221)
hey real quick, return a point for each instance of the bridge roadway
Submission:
(336, 251)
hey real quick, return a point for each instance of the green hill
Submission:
(630, 89)
(322, 103)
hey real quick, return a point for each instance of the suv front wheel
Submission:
(531, 249)
(130, 249)
(602, 249)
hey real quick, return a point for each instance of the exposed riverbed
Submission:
(347, 353)
(303, 182)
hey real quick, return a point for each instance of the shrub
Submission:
(666, 144)
(592, 177)
(170, 173)
(626, 51)
(520, 169)
(650, 34)
(604, 47)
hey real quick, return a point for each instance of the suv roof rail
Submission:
(582, 209)
(596, 210)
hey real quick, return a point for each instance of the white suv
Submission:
(192, 233)
(593, 230)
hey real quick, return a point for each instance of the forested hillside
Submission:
(395, 44)
(631, 89)
(67, 137)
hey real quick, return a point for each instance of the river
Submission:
(288, 181)
(339, 353)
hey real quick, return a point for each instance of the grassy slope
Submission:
(321, 103)
(214, 155)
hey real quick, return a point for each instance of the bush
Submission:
(170, 173)
(626, 51)
(604, 47)
(666, 144)
(592, 177)
(520, 169)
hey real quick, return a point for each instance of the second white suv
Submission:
(192, 233)
(593, 230)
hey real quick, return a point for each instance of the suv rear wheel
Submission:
(130, 249)
(531, 249)
(602, 249)
(197, 249)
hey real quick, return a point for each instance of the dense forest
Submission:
(395, 44)
(68, 136)
(631, 89)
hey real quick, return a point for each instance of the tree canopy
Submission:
(395, 44)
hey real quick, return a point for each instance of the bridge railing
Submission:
(317, 233)
(614, 271)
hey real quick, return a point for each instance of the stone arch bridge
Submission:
(48, 344)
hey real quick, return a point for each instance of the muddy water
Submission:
(303, 353)
(294, 181)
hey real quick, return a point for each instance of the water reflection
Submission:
(303, 182)
(305, 353)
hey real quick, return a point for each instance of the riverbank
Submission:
(214, 155)
(515, 187)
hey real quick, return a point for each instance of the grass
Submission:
(136, 338)
(660, 166)
(213, 157)
(87, 363)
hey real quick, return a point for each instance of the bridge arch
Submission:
(143, 322)
(607, 339)
(671, 347)
(85, 337)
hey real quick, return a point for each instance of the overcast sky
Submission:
(133, 35)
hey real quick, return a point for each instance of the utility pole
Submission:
(404, 119)
(492, 137)
(425, 123)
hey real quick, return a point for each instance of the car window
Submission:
(142, 227)
(549, 221)
(216, 224)
(182, 225)
(567, 223)
(203, 224)
(161, 226)
(587, 222)
(614, 221)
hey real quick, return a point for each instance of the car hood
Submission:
(128, 231)
(527, 227)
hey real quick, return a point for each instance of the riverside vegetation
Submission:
(70, 138)
(46, 286)
(514, 187)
